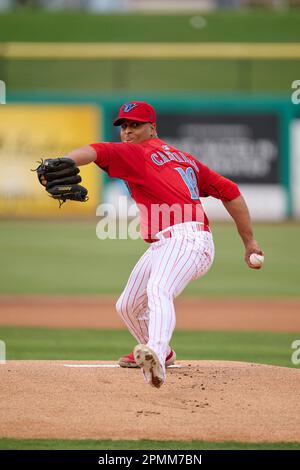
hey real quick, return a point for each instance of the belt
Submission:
(198, 228)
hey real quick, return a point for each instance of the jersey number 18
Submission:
(190, 179)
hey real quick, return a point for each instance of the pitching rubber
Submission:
(147, 359)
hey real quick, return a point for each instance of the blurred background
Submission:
(224, 76)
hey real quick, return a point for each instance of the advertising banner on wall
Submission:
(29, 132)
(245, 147)
(242, 147)
(295, 132)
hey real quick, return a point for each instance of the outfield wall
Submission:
(295, 182)
(247, 139)
(30, 132)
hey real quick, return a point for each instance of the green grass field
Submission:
(67, 258)
(45, 444)
(87, 344)
(243, 26)
(106, 76)
(267, 76)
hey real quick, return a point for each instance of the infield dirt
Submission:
(203, 400)
(192, 313)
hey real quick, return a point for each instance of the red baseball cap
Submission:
(137, 111)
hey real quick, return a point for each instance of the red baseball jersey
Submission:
(165, 182)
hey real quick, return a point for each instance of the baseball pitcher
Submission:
(166, 184)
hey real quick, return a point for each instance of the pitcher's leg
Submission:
(132, 305)
(203, 254)
(168, 260)
(175, 262)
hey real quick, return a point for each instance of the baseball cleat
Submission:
(129, 361)
(147, 359)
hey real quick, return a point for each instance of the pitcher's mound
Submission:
(201, 400)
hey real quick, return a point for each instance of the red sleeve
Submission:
(215, 185)
(121, 160)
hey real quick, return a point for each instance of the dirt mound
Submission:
(205, 400)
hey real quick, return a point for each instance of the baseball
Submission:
(256, 260)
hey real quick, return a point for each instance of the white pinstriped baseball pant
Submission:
(146, 304)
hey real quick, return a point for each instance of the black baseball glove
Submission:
(60, 178)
